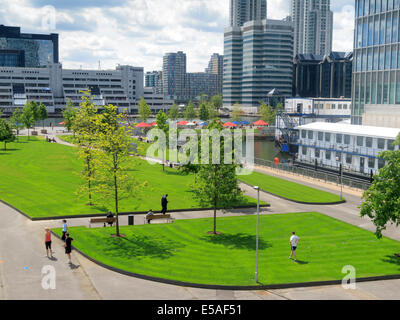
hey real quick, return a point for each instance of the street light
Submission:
(258, 223)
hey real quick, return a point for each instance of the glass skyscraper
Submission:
(376, 67)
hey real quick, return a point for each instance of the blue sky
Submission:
(139, 32)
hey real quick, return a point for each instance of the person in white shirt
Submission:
(294, 240)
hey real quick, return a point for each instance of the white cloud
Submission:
(141, 31)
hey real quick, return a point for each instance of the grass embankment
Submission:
(41, 178)
(184, 251)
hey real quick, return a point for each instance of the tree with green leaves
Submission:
(42, 113)
(144, 110)
(113, 181)
(6, 133)
(35, 110)
(203, 112)
(28, 116)
(173, 113)
(189, 113)
(212, 112)
(381, 202)
(163, 126)
(16, 121)
(237, 112)
(69, 114)
(217, 101)
(216, 184)
(266, 113)
(85, 126)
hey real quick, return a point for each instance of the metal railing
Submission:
(319, 175)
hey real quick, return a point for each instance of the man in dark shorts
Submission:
(68, 247)
(164, 203)
(294, 240)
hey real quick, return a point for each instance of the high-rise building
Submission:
(317, 76)
(257, 59)
(174, 73)
(242, 11)
(376, 71)
(153, 80)
(216, 67)
(198, 83)
(313, 26)
(27, 50)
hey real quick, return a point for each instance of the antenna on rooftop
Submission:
(99, 65)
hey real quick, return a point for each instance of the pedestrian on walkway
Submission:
(47, 241)
(164, 203)
(294, 240)
(64, 230)
(68, 246)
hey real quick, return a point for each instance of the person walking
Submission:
(64, 230)
(294, 240)
(68, 246)
(164, 203)
(47, 241)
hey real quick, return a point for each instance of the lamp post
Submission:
(341, 178)
(258, 223)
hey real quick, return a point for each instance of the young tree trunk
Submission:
(89, 181)
(116, 198)
(5, 145)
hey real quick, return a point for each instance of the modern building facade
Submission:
(154, 80)
(156, 101)
(174, 74)
(313, 26)
(27, 50)
(200, 83)
(257, 59)
(242, 11)
(54, 87)
(216, 67)
(376, 72)
(323, 76)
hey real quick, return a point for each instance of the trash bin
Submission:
(131, 220)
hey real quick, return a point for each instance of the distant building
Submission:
(154, 80)
(156, 101)
(258, 57)
(198, 83)
(323, 76)
(313, 26)
(25, 49)
(216, 66)
(242, 11)
(174, 73)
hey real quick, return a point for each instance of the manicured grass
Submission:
(288, 189)
(184, 251)
(41, 178)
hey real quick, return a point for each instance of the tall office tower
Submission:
(257, 59)
(376, 71)
(154, 80)
(27, 50)
(313, 26)
(174, 74)
(216, 66)
(242, 11)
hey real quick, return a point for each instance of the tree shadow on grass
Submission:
(393, 259)
(238, 241)
(138, 247)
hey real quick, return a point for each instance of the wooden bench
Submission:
(158, 217)
(101, 220)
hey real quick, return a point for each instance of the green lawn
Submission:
(184, 251)
(288, 189)
(41, 178)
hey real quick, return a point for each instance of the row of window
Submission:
(366, 7)
(345, 139)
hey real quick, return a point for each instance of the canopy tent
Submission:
(204, 124)
(143, 125)
(153, 124)
(260, 123)
(62, 123)
(230, 124)
(245, 123)
(182, 123)
(190, 124)
(236, 122)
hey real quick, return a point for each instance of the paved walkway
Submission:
(22, 257)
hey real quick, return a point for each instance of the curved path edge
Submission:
(296, 201)
(222, 287)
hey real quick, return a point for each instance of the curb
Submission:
(222, 287)
(296, 201)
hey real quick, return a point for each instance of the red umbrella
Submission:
(62, 123)
(143, 125)
(230, 124)
(260, 123)
(154, 124)
(182, 123)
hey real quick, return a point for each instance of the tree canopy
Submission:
(144, 110)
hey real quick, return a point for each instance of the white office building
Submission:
(355, 147)
(156, 101)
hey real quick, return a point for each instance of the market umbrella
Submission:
(245, 123)
(182, 123)
(62, 123)
(143, 125)
(236, 122)
(204, 124)
(229, 124)
(154, 124)
(260, 123)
